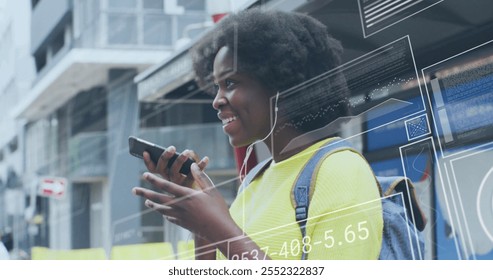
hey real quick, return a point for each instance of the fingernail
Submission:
(149, 204)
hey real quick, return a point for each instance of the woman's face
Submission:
(241, 101)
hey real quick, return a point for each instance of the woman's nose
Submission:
(219, 100)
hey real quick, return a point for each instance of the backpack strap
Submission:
(302, 189)
(400, 184)
(301, 193)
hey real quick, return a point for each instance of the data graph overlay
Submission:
(380, 84)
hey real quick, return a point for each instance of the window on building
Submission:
(80, 219)
(34, 3)
(192, 5)
(147, 23)
(122, 4)
(40, 60)
(186, 21)
(13, 144)
(58, 42)
(157, 30)
(122, 29)
(42, 238)
(89, 111)
(153, 5)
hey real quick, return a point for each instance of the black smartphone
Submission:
(137, 147)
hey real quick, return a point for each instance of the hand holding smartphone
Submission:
(137, 147)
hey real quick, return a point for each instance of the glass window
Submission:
(157, 30)
(122, 29)
(90, 11)
(40, 60)
(186, 20)
(58, 42)
(33, 3)
(192, 5)
(122, 4)
(13, 144)
(154, 5)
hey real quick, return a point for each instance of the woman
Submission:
(252, 57)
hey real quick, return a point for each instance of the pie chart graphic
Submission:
(484, 205)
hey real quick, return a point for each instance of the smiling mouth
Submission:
(229, 120)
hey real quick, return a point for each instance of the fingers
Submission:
(203, 163)
(172, 214)
(204, 182)
(190, 154)
(173, 220)
(162, 165)
(166, 185)
(151, 166)
(171, 170)
(190, 180)
(162, 209)
(177, 165)
(152, 195)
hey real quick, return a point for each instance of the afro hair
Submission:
(280, 49)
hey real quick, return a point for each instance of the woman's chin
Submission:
(238, 143)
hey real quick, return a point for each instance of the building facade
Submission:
(77, 112)
(17, 68)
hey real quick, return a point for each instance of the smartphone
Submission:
(137, 147)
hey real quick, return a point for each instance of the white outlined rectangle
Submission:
(417, 127)
(470, 174)
(459, 94)
(389, 69)
(377, 15)
(326, 219)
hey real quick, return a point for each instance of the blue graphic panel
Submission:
(417, 127)
(383, 132)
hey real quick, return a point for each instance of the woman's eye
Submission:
(229, 83)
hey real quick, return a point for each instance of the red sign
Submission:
(52, 187)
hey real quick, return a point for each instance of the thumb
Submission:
(204, 182)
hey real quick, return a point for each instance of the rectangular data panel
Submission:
(383, 86)
(377, 15)
(416, 163)
(461, 95)
(465, 203)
